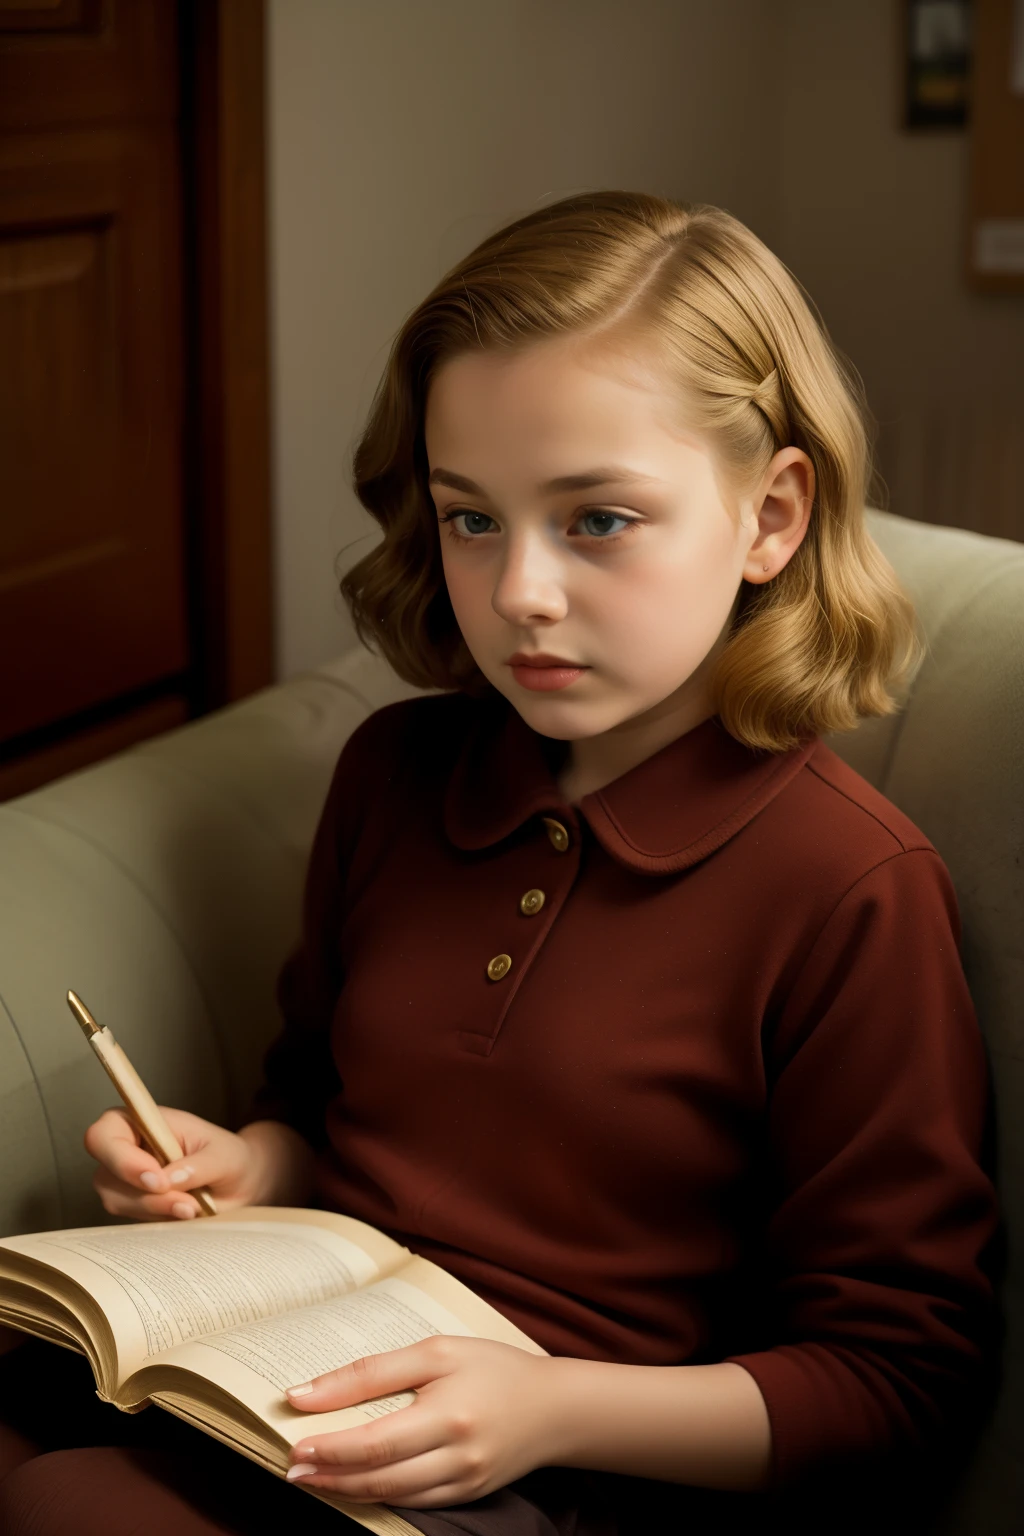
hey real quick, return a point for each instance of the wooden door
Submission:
(135, 585)
(92, 531)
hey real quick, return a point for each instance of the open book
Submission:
(213, 1318)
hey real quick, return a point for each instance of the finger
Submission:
(122, 1200)
(374, 1375)
(191, 1130)
(432, 1481)
(114, 1141)
(368, 1447)
(211, 1157)
(187, 1172)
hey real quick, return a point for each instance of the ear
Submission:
(780, 514)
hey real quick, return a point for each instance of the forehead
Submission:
(549, 388)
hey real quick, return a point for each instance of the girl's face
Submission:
(578, 520)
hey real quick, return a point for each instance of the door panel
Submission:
(87, 62)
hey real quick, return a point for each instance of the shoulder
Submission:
(876, 897)
(834, 840)
(438, 720)
(398, 755)
(836, 800)
(828, 805)
(416, 738)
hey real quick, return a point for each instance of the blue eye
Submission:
(605, 517)
(481, 515)
(473, 521)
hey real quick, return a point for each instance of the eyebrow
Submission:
(608, 474)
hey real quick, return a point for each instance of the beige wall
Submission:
(402, 131)
(873, 222)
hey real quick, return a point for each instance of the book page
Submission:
(162, 1284)
(255, 1363)
(478, 1317)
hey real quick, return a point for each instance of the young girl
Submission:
(620, 996)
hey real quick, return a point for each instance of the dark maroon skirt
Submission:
(71, 1465)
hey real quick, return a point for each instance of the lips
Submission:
(542, 659)
(544, 673)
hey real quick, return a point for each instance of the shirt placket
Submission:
(558, 849)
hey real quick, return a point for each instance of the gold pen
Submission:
(138, 1100)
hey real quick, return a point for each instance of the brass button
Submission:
(499, 967)
(557, 833)
(531, 903)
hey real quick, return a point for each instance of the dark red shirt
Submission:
(725, 1102)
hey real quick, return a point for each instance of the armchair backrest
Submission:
(953, 760)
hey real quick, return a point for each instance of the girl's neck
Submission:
(591, 762)
(594, 761)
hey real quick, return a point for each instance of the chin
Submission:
(561, 720)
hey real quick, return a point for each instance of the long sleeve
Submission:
(299, 1074)
(881, 1211)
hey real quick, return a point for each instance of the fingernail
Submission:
(181, 1174)
(301, 1469)
(183, 1209)
(307, 1386)
(152, 1180)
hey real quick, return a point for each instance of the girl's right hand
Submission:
(131, 1182)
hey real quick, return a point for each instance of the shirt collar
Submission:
(665, 814)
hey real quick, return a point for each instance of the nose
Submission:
(530, 584)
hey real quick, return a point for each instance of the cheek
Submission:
(685, 594)
(469, 591)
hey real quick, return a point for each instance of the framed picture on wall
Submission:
(937, 63)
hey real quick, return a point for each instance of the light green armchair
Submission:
(164, 885)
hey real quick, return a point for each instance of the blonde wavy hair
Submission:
(813, 650)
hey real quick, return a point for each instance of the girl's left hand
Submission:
(484, 1416)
